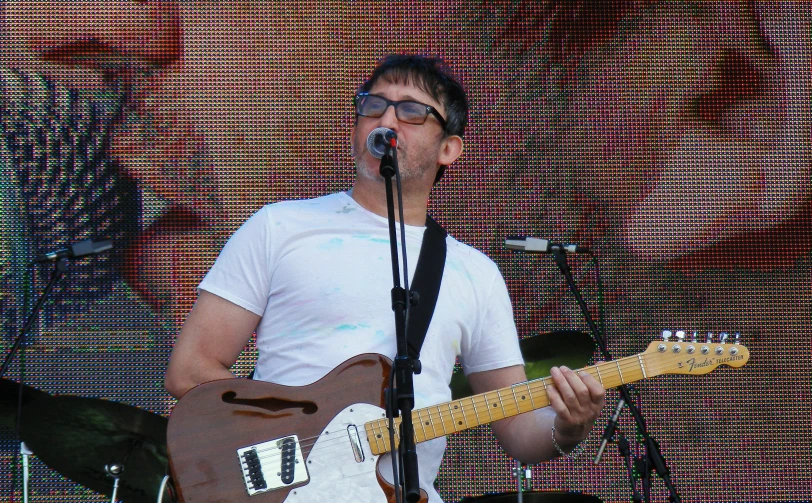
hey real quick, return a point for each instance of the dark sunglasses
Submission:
(411, 112)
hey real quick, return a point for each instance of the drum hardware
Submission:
(166, 486)
(90, 441)
(534, 497)
(523, 474)
(11, 394)
(114, 471)
(26, 453)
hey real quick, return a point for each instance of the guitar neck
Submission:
(450, 417)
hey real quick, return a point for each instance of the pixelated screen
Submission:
(672, 138)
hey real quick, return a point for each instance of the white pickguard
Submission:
(335, 475)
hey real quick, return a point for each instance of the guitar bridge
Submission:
(272, 465)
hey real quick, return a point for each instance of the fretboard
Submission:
(450, 417)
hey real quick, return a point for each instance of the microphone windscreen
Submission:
(377, 141)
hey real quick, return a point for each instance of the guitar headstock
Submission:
(690, 355)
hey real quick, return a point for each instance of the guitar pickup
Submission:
(272, 465)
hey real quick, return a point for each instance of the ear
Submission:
(352, 142)
(450, 150)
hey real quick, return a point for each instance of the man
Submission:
(313, 277)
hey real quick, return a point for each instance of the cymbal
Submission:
(572, 348)
(78, 437)
(534, 497)
(8, 400)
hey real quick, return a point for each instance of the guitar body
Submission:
(241, 441)
(230, 437)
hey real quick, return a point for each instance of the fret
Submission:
(530, 394)
(501, 404)
(422, 425)
(493, 405)
(478, 421)
(600, 378)
(544, 383)
(518, 404)
(372, 436)
(442, 421)
(458, 425)
(617, 364)
(488, 407)
(642, 367)
(431, 422)
(383, 431)
(464, 417)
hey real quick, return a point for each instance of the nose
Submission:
(389, 118)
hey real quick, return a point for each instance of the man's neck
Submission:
(371, 195)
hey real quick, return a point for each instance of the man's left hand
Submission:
(577, 400)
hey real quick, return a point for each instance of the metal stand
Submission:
(653, 459)
(26, 453)
(402, 399)
(522, 474)
(19, 345)
(59, 271)
(114, 471)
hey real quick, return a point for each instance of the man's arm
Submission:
(575, 402)
(214, 334)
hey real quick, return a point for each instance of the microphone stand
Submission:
(653, 458)
(625, 451)
(405, 367)
(61, 267)
(19, 344)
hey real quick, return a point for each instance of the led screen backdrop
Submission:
(671, 137)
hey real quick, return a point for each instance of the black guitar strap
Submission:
(428, 275)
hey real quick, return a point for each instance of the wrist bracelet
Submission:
(574, 453)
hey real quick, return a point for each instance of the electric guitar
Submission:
(238, 440)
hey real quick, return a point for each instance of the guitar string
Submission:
(477, 402)
(509, 410)
(654, 362)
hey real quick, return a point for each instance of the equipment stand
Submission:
(405, 367)
(653, 459)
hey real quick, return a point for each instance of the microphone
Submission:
(76, 250)
(536, 245)
(378, 139)
(610, 430)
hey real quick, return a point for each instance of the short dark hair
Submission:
(432, 76)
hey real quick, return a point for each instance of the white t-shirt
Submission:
(319, 274)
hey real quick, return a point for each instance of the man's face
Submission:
(419, 145)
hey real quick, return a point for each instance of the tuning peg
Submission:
(694, 336)
(666, 335)
(709, 339)
(722, 337)
(737, 337)
(680, 335)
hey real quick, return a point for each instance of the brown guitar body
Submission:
(213, 420)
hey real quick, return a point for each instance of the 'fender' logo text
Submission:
(693, 363)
